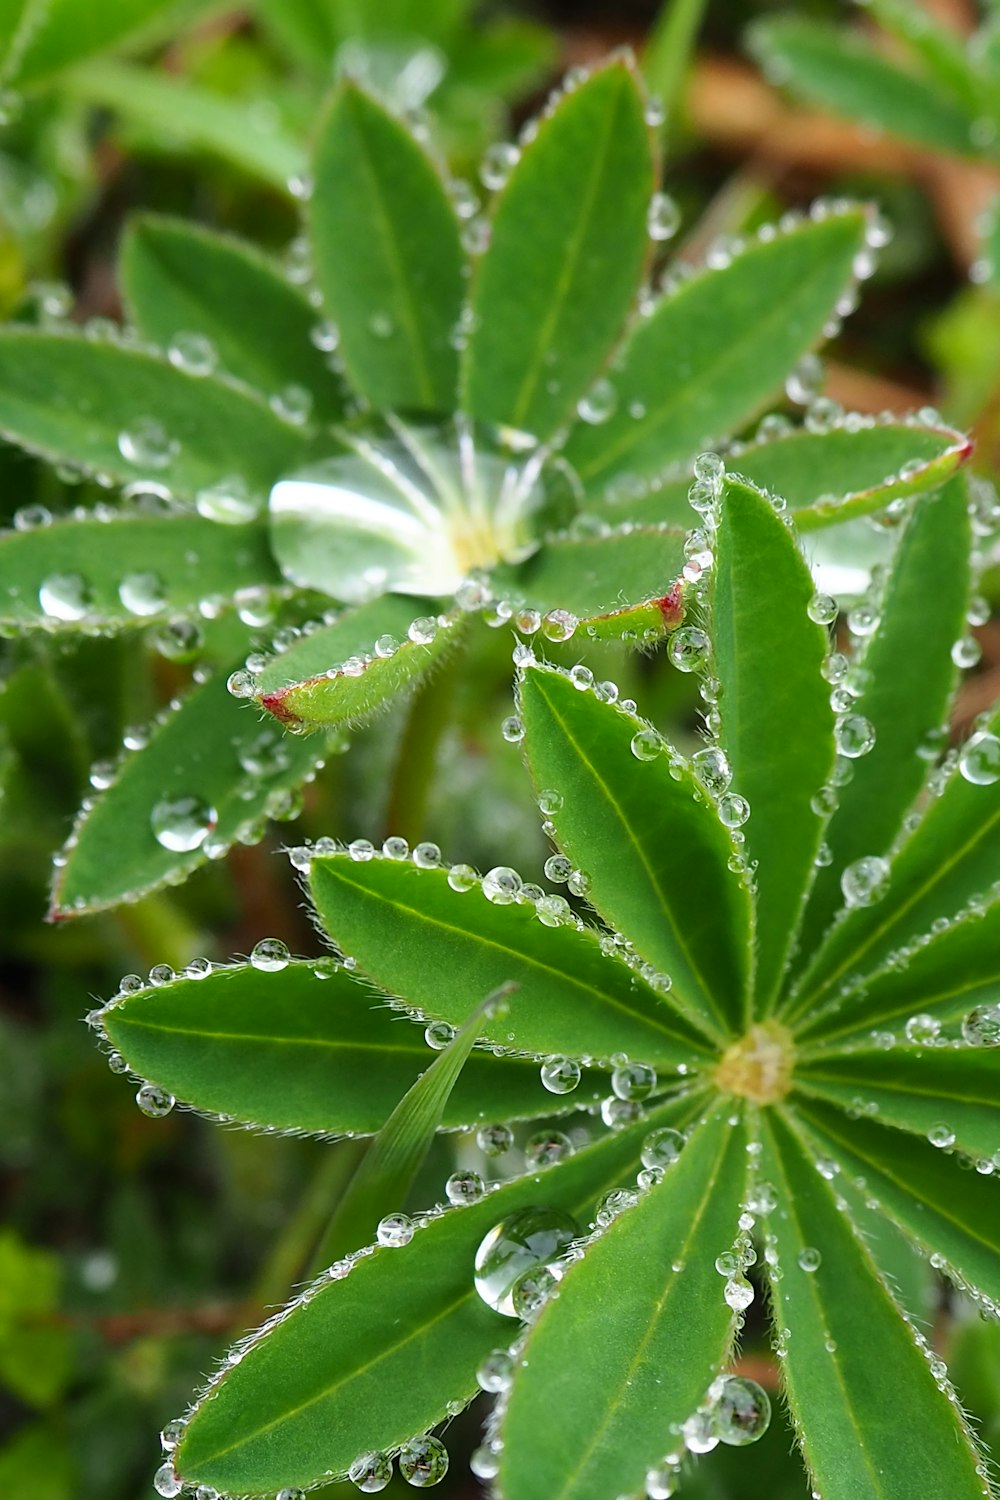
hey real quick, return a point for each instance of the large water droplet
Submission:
(741, 1410)
(560, 1075)
(229, 502)
(147, 444)
(270, 956)
(464, 1187)
(854, 735)
(423, 1461)
(979, 759)
(527, 1239)
(154, 1101)
(142, 593)
(394, 1231)
(865, 881)
(494, 1140)
(371, 1472)
(194, 353)
(633, 1080)
(689, 648)
(181, 824)
(65, 596)
(981, 1027)
(166, 1483)
(713, 768)
(663, 218)
(661, 1148)
(738, 1293)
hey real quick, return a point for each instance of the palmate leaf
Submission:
(208, 775)
(842, 71)
(122, 412)
(950, 1215)
(655, 858)
(126, 571)
(948, 1096)
(858, 465)
(860, 1433)
(442, 948)
(178, 278)
(739, 343)
(567, 246)
(776, 720)
(388, 257)
(306, 1048)
(905, 698)
(618, 1350)
(368, 1360)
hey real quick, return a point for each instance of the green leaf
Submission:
(387, 1171)
(948, 863)
(666, 55)
(738, 344)
(180, 278)
(947, 1212)
(612, 581)
(630, 1346)
(853, 468)
(348, 671)
(41, 37)
(944, 978)
(211, 753)
(439, 948)
(183, 117)
(81, 403)
(926, 599)
(914, 1088)
(368, 1360)
(567, 248)
(777, 724)
(650, 840)
(306, 1048)
(163, 566)
(842, 71)
(388, 258)
(938, 46)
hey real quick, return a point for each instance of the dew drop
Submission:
(979, 759)
(395, 847)
(512, 730)
(966, 652)
(142, 594)
(854, 736)
(65, 596)
(462, 878)
(525, 1240)
(181, 824)
(713, 769)
(423, 1462)
(194, 353)
(823, 609)
(371, 1472)
(154, 1101)
(741, 1411)
(439, 1034)
(689, 648)
(147, 444)
(496, 1372)
(559, 625)
(661, 1148)
(270, 955)
(502, 885)
(560, 1075)
(981, 1026)
(598, 405)
(499, 160)
(494, 1140)
(166, 1483)
(394, 1231)
(647, 744)
(663, 218)
(733, 810)
(941, 1135)
(922, 1029)
(172, 1434)
(738, 1293)
(809, 1259)
(865, 882)
(228, 502)
(464, 1187)
(699, 1432)
(633, 1080)
(546, 1147)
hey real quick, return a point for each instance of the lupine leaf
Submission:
(951, 860)
(904, 1266)
(386, 1172)
(944, 978)
(298, 688)
(940, 47)
(567, 247)
(739, 343)
(348, 1370)
(618, 1348)
(388, 257)
(656, 855)
(914, 1088)
(842, 71)
(623, 580)
(415, 936)
(306, 1048)
(184, 559)
(907, 695)
(860, 1433)
(78, 402)
(858, 468)
(202, 750)
(777, 724)
(181, 116)
(945, 1211)
(42, 39)
(180, 278)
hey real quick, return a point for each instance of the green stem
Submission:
(159, 932)
(430, 711)
(290, 1254)
(668, 51)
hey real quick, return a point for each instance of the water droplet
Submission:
(181, 824)
(154, 1101)
(805, 382)
(371, 1472)
(854, 735)
(494, 1140)
(464, 1187)
(194, 353)
(172, 1434)
(502, 885)
(966, 652)
(822, 608)
(325, 336)
(941, 1135)
(922, 1029)
(142, 593)
(560, 1075)
(229, 502)
(394, 1231)
(979, 759)
(166, 1483)
(293, 404)
(981, 1027)
(423, 1461)
(499, 160)
(661, 1148)
(531, 1291)
(381, 326)
(439, 1034)
(270, 955)
(633, 1080)
(809, 1259)
(663, 218)
(65, 596)
(741, 1410)
(598, 405)
(512, 730)
(546, 1147)
(618, 1113)
(559, 625)
(713, 769)
(178, 640)
(462, 878)
(291, 1492)
(699, 1433)
(484, 1462)
(733, 810)
(865, 881)
(496, 1371)
(661, 1482)
(396, 848)
(147, 444)
(530, 1238)
(738, 1293)
(647, 744)
(689, 648)
(423, 630)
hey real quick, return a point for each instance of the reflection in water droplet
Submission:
(865, 882)
(65, 596)
(371, 1472)
(741, 1410)
(142, 593)
(394, 1231)
(270, 956)
(181, 824)
(981, 1027)
(423, 1461)
(530, 1238)
(154, 1101)
(560, 1075)
(229, 502)
(979, 759)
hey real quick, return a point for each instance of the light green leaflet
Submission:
(621, 1389)
(306, 1048)
(861, 1433)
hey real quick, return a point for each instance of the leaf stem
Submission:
(426, 721)
(668, 52)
